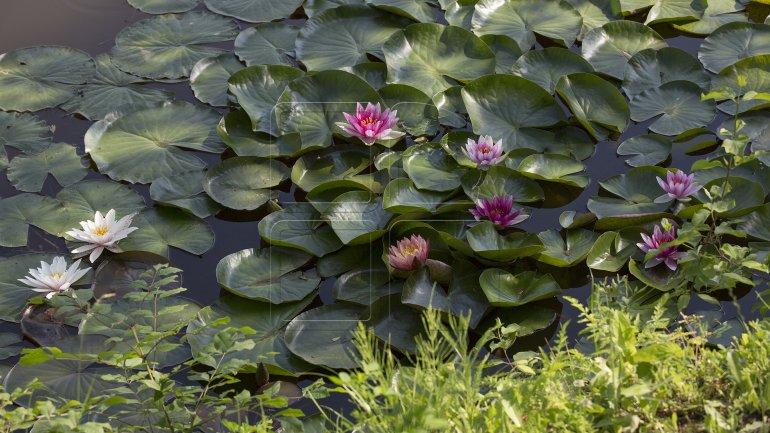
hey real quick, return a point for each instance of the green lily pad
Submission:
(466, 298)
(343, 36)
(610, 252)
(506, 106)
(489, 244)
(501, 180)
(337, 163)
(421, 292)
(554, 168)
(646, 149)
(209, 76)
(357, 217)
(267, 275)
(566, 252)
(28, 172)
(79, 202)
(299, 226)
(417, 10)
(312, 105)
(36, 78)
(504, 289)
(545, 67)
(244, 182)
(675, 10)
(679, 105)
(609, 47)
(322, 195)
(596, 104)
(347, 258)
(506, 50)
(733, 42)
(451, 108)
(433, 57)
(20, 211)
(268, 320)
(747, 195)
(637, 190)
(650, 68)
(395, 324)
(235, 131)
(364, 286)
(596, 13)
(168, 46)
(258, 88)
(528, 319)
(267, 44)
(254, 11)
(460, 12)
(185, 191)
(163, 6)
(430, 168)
(401, 196)
(162, 228)
(323, 336)
(315, 7)
(745, 76)
(145, 145)
(116, 275)
(374, 73)
(717, 14)
(416, 110)
(8, 346)
(24, 132)
(521, 20)
(14, 295)
(111, 89)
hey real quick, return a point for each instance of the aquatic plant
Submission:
(409, 253)
(102, 233)
(678, 186)
(499, 210)
(666, 254)
(371, 124)
(55, 277)
(485, 152)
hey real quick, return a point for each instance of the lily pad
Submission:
(650, 68)
(323, 336)
(504, 289)
(209, 76)
(235, 131)
(162, 228)
(20, 211)
(717, 14)
(357, 217)
(430, 168)
(545, 67)
(258, 89)
(609, 47)
(36, 78)
(596, 104)
(364, 286)
(610, 252)
(433, 57)
(637, 190)
(185, 191)
(422, 292)
(679, 105)
(485, 240)
(522, 19)
(416, 110)
(268, 320)
(596, 13)
(80, 201)
(267, 275)
(506, 106)
(554, 168)
(343, 36)
(401, 196)
(675, 10)
(506, 51)
(168, 46)
(647, 149)
(25, 132)
(116, 275)
(733, 42)
(254, 11)
(163, 6)
(244, 182)
(314, 169)
(417, 10)
(567, 252)
(145, 145)
(267, 44)
(28, 172)
(745, 76)
(299, 226)
(396, 324)
(501, 180)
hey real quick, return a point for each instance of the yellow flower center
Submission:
(368, 121)
(101, 231)
(411, 249)
(56, 275)
(485, 150)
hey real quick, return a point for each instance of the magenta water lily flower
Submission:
(499, 210)
(678, 186)
(668, 255)
(409, 253)
(371, 124)
(485, 152)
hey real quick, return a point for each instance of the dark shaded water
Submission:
(91, 25)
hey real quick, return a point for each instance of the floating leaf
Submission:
(209, 76)
(396, 324)
(596, 104)
(324, 335)
(745, 76)
(36, 78)
(401, 196)
(24, 132)
(299, 226)
(162, 228)
(185, 191)
(596, 13)
(267, 275)
(545, 67)
(20, 211)
(28, 172)
(506, 51)
(416, 110)
(168, 46)
(364, 286)
(637, 190)
(81, 201)
(679, 105)
(235, 131)
(610, 252)
(733, 42)
(421, 292)
(717, 14)
(117, 273)
(675, 10)
(650, 68)
(244, 182)
(433, 57)
(336, 163)
(357, 217)
(254, 11)
(647, 149)
(566, 252)
(485, 240)
(417, 10)
(266, 44)
(554, 168)
(504, 289)
(609, 47)
(429, 167)
(163, 6)
(501, 180)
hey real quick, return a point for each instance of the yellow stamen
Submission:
(101, 231)
(56, 275)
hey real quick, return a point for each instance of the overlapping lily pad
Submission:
(521, 20)
(324, 335)
(244, 182)
(254, 11)
(733, 42)
(679, 105)
(299, 226)
(609, 47)
(596, 104)
(209, 76)
(508, 290)
(545, 67)
(28, 172)
(266, 44)
(161, 228)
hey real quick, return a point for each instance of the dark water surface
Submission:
(91, 25)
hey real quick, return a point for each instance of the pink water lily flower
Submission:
(409, 253)
(485, 152)
(668, 255)
(371, 124)
(678, 186)
(499, 210)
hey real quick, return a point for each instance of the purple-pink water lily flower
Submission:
(678, 186)
(485, 152)
(499, 210)
(409, 253)
(668, 255)
(371, 124)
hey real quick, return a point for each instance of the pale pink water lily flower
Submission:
(409, 253)
(499, 210)
(371, 124)
(103, 233)
(55, 277)
(485, 152)
(677, 186)
(668, 255)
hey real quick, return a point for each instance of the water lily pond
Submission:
(310, 165)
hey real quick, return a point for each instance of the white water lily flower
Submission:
(53, 278)
(102, 233)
